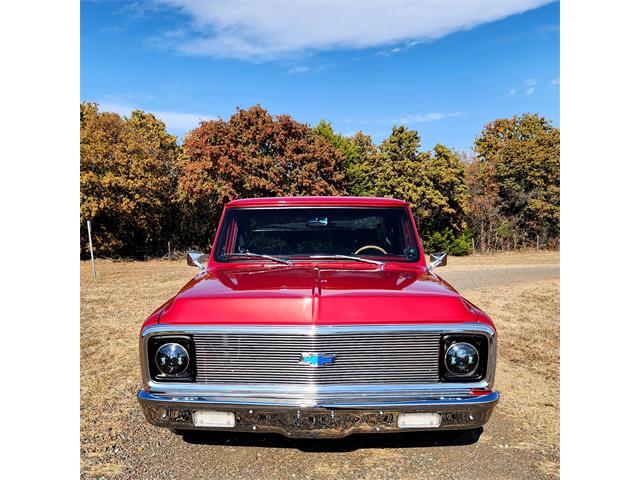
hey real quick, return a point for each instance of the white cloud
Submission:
(530, 86)
(511, 92)
(179, 121)
(549, 27)
(555, 81)
(174, 121)
(299, 69)
(422, 117)
(427, 117)
(406, 119)
(387, 52)
(270, 29)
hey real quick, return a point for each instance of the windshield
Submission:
(289, 232)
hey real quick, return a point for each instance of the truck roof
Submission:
(311, 201)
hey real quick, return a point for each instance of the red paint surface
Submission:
(317, 292)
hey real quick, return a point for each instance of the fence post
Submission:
(169, 248)
(537, 242)
(473, 246)
(93, 260)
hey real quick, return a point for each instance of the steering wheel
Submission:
(374, 247)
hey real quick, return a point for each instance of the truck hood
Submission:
(312, 295)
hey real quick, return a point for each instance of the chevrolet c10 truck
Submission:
(317, 317)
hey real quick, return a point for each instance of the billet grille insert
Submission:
(360, 358)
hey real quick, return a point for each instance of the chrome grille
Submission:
(360, 358)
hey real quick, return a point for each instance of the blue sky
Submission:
(442, 68)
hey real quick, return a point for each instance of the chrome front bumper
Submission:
(321, 420)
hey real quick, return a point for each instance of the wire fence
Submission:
(151, 252)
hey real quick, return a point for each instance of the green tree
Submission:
(446, 173)
(524, 153)
(363, 174)
(446, 226)
(127, 181)
(359, 153)
(432, 183)
(400, 172)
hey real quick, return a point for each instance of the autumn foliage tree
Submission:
(253, 155)
(520, 169)
(484, 216)
(127, 181)
(141, 189)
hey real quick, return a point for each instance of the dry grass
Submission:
(526, 317)
(516, 259)
(113, 433)
(113, 306)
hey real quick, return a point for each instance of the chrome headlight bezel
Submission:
(479, 343)
(185, 342)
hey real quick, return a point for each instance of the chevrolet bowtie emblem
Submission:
(316, 359)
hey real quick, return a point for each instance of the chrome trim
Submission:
(344, 257)
(258, 255)
(204, 402)
(317, 395)
(403, 206)
(361, 358)
(437, 260)
(466, 327)
(197, 259)
(329, 421)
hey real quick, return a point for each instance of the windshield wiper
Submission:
(258, 255)
(346, 257)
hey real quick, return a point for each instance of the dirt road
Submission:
(466, 279)
(521, 293)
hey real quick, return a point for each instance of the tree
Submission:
(524, 153)
(254, 155)
(446, 174)
(363, 174)
(360, 156)
(432, 184)
(127, 181)
(399, 172)
(140, 189)
(483, 204)
(446, 226)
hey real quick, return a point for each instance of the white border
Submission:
(600, 319)
(39, 195)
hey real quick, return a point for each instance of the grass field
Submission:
(520, 441)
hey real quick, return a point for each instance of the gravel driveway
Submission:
(481, 277)
(520, 441)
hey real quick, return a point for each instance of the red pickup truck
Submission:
(317, 317)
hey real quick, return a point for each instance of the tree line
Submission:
(141, 189)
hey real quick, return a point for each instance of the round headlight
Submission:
(462, 359)
(172, 359)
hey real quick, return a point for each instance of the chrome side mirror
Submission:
(196, 259)
(437, 260)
